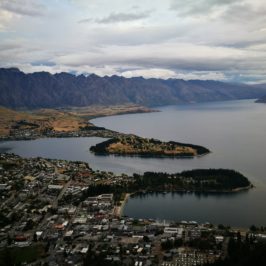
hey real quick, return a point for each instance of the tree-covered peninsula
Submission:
(198, 180)
(138, 146)
(220, 180)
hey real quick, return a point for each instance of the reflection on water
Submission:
(225, 208)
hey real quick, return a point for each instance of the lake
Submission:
(234, 131)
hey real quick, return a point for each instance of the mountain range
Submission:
(45, 90)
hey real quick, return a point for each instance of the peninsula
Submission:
(197, 180)
(38, 122)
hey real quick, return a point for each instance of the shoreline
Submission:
(123, 113)
(118, 210)
(186, 191)
(243, 188)
(147, 156)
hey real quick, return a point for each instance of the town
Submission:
(51, 214)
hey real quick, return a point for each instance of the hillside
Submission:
(44, 90)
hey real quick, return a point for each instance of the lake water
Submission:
(234, 131)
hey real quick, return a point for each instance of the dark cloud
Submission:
(246, 43)
(86, 20)
(118, 17)
(25, 7)
(244, 12)
(123, 17)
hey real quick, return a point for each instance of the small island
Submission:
(131, 145)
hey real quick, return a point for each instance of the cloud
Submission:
(85, 20)
(149, 73)
(40, 63)
(246, 11)
(25, 7)
(123, 17)
(6, 46)
(203, 39)
(167, 55)
(199, 7)
(5, 18)
(226, 12)
(178, 74)
(118, 17)
(167, 59)
(134, 35)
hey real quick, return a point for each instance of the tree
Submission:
(253, 228)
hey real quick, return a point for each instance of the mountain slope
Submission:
(44, 90)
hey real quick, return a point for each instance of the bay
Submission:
(234, 131)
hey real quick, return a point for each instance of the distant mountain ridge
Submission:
(44, 90)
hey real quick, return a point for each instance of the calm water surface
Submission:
(234, 131)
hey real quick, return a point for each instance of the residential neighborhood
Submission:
(48, 216)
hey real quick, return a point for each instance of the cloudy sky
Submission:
(188, 39)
